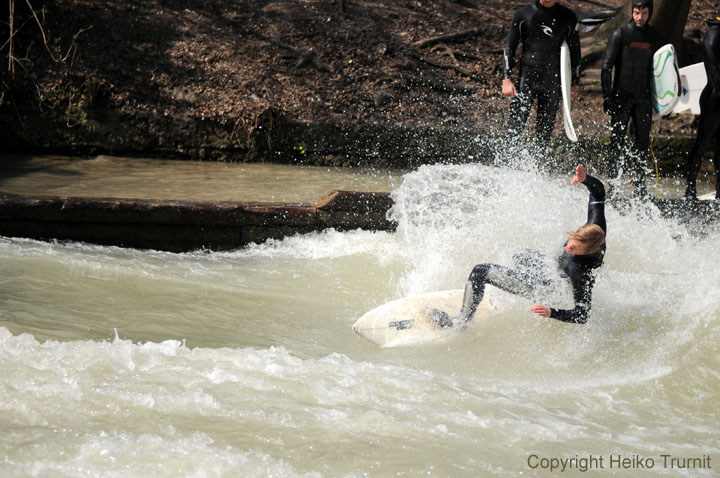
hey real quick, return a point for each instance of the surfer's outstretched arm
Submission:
(582, 278)
(582, 293)
(596, 202)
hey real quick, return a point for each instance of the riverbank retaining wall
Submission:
(179, 226)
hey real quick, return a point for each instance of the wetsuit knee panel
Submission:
(479, 273)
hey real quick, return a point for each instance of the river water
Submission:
(127, 363)
(108, 176)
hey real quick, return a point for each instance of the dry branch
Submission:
(11, 67)
(450, 37)
(438, 64)
(306, 57)
(446, 51)
(455, 54)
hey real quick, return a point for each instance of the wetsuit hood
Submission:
(714, 21)
(643, 4)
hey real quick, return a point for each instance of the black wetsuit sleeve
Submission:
(573, 42)
(513, 40)
(596, 202)
(711, 47)
(614, 45)
(582, 284)
(582, 278)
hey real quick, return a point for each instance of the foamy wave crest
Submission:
(327, 244)
(656, 292)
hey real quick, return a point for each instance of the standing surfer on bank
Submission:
(583, 254)
(709, 127)
(630, 51)
(541, 26)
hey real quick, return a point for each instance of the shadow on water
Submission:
(13, 166)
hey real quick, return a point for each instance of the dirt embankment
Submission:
(331, 81)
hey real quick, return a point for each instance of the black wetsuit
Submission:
(528, 279)
(630, 51)
(580, 268)
(541, 31)
(709, 128)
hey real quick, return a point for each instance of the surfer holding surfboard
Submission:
(629, 96)
(709, 127)
(583, 254)
(541, 27)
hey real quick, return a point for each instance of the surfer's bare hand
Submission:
(580, 174)
(541, 310)
(508, 88)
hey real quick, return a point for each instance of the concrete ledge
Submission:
(179, 226)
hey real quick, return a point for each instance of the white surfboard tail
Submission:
(666, 81)
(693, 79)
(408, 321)
(566, 88)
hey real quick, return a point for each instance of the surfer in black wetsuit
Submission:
(541, 26)
(584, 252)
(630, 51)
(709, 128)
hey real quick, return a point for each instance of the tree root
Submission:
(454, 54)
(449, 37)
(306, 58)
(438, 64)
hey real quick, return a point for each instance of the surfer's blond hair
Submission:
(590, 235)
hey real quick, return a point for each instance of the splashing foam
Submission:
(656, 291)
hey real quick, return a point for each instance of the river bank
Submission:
(287, 142)
(177, 207)
(331, 83)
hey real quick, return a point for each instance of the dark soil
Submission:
(338, 62)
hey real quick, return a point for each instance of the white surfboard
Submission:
(707, 197)
(666, 92)
(407, 321)
(566, 88)
(693, 79)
